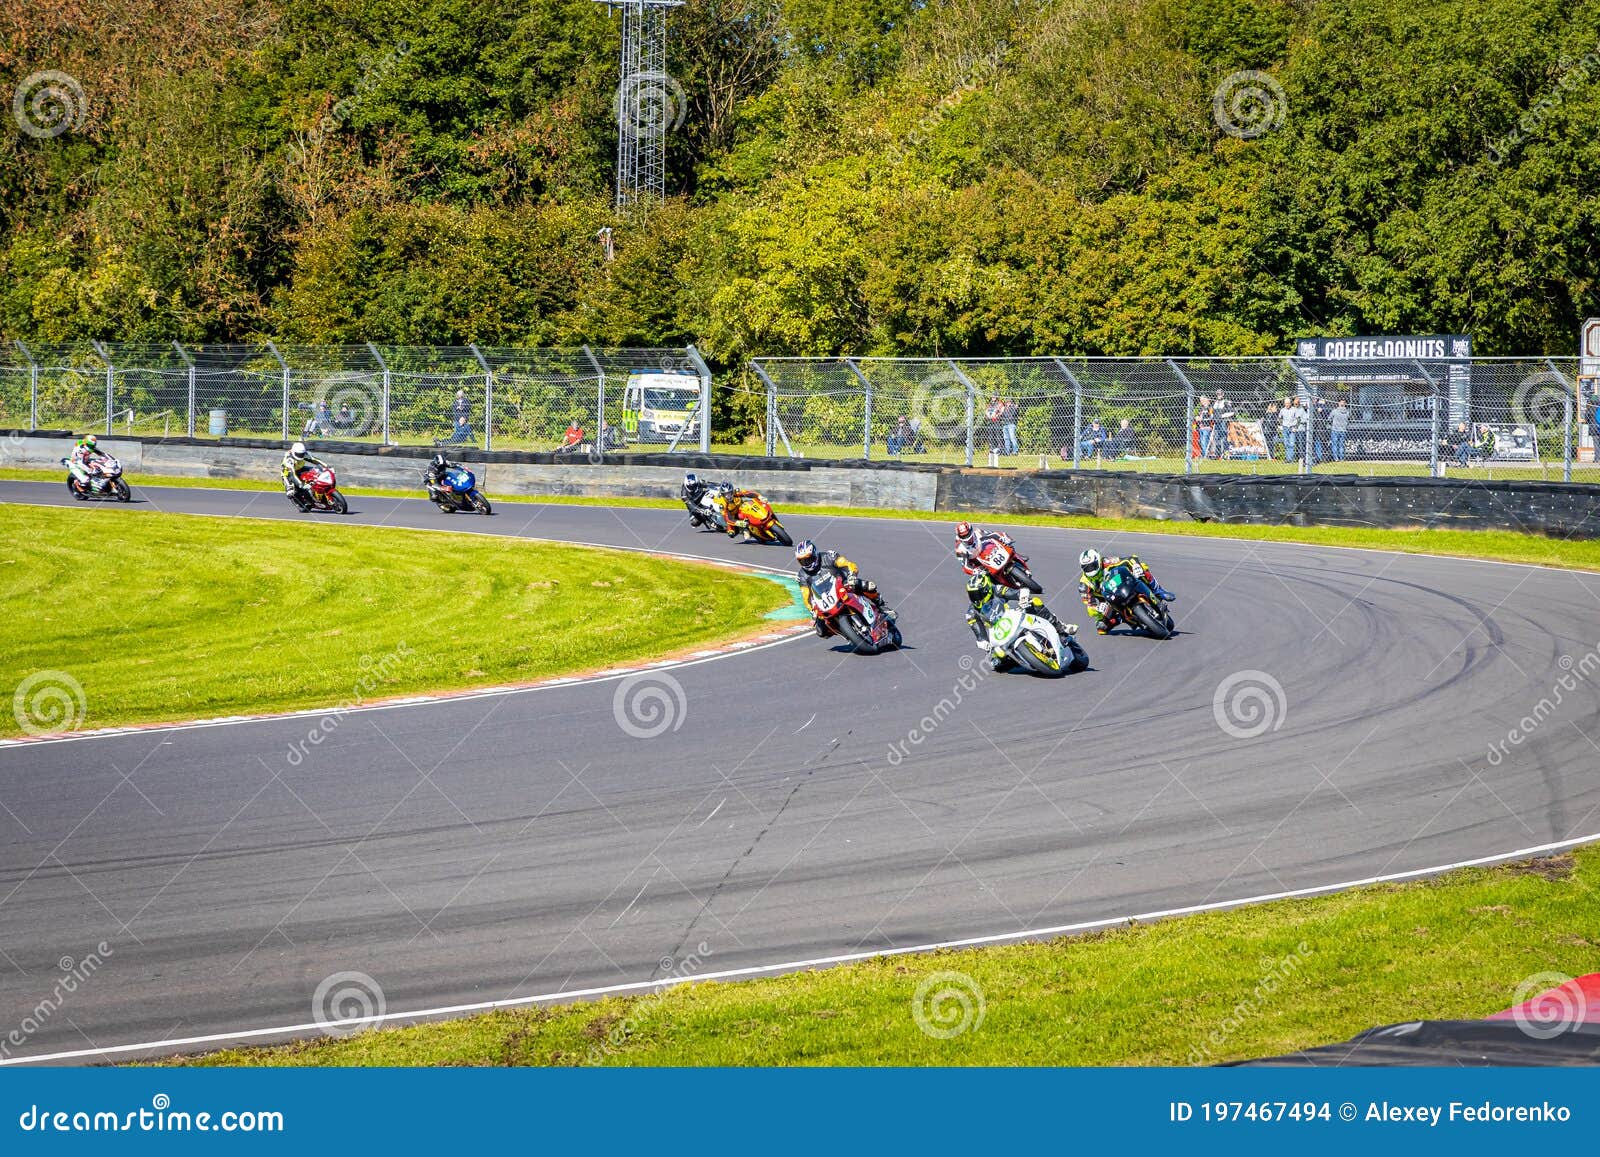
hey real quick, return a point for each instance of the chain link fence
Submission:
(1490, 417)
(590, 401)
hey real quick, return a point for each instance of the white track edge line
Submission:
(799, 965)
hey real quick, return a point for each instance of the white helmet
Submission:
(298, 449)
(1089, 561)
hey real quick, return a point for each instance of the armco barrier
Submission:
(1557, 509)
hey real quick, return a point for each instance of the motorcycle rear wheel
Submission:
(77, 492)
(1023, 578)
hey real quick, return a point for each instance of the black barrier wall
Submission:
(1556, 509)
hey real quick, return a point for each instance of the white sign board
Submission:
(1588, 385)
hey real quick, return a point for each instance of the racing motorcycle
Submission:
(1033, 644)
(105, 481)
(762, 521)
(704, 511)
(858, 620)
(1132, 601)
(998, 556)
(458, 492)
(319, 491)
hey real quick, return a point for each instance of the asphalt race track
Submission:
(490, 849)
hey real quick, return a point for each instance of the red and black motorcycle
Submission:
(867, 627)
(997, 555)
(319, 490)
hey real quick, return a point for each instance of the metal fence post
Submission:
(273, 350)
(111, 379)
(1433, 418)
(772, 407)
(599, 405)
(1077, 410)
(1569, 398)
(488, 397)
(972, 393)
(383, 367)
(704, 371)
(188, 361)
(33, 386)
(1189, 416)
(866, 408)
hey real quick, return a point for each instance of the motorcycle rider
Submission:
(433, 476)
(1094, 573)
(988, 600)
(296, 460)
(86, 458)
(969, 542)
(811, 562)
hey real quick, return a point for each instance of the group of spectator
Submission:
(905, 436)
(1098, 442)
(1001, 415)
(1319, 428)
(1465, 444)
(1211, 418)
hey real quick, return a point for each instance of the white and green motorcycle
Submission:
(1019, 638)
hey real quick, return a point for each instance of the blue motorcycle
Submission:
(458, 492)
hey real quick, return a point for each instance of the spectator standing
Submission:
(1222, 413)
(461, 414)
(1294, 423)
(991, 414)
(1205, 421)
(1271, 429)
(1008, 423)
(1317, 437)
(1338, 427)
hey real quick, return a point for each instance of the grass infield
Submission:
(160, 617)
(1198, 990)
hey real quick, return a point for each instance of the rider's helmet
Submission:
(690, 481)
(91, 441)
(1091, 562)
(980, 588)
(298, 449)
(440, 461)
(806, 555)
(966, 536)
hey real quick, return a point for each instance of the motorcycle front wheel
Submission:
(122, 491)
(481, 504)
(1152, 625)
(781, 534)
(854, 635)
(340, 506)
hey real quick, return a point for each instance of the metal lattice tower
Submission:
(648, 101)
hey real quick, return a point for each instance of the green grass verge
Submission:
(1207, 988)
(169, 616)
(1502, 546)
